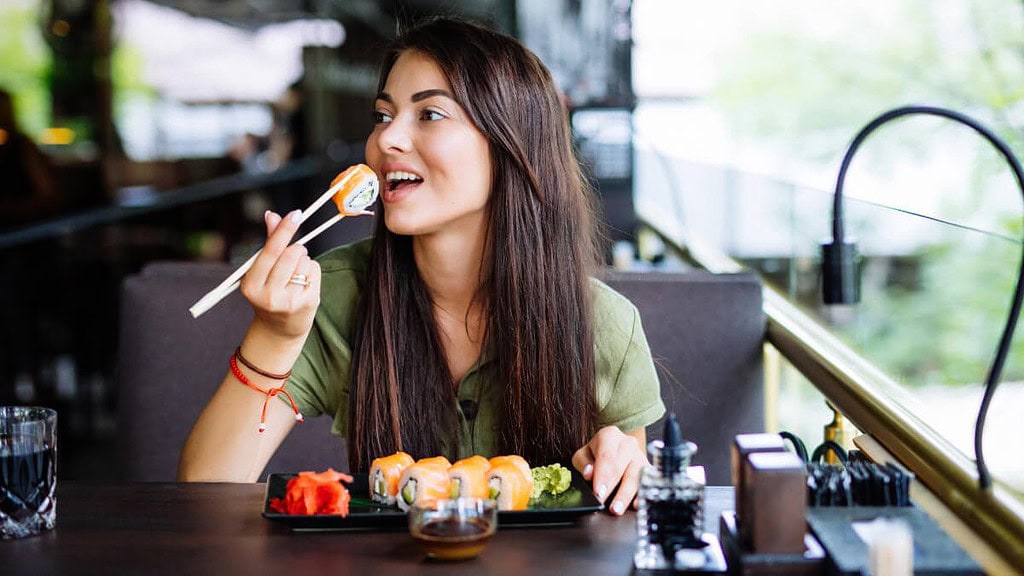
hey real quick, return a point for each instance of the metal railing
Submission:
(166, 200)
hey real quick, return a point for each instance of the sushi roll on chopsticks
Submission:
(385, 473)
(423, 482)
(469, 478)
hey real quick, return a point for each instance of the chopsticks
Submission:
(231, 283)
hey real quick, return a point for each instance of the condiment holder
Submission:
(670, 518)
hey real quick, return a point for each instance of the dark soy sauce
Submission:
(454, 539)
(26, 479)
(675, 524)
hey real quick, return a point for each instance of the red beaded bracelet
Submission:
(270, 394)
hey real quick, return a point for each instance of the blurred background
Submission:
(141, 130)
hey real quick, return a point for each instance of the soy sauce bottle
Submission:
(671, 504)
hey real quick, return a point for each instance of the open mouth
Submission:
(398, 180)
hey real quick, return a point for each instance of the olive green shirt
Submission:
(628, 394)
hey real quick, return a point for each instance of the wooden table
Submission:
(185, 529)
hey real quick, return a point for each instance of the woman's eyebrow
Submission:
(421, 95)
(424, 94)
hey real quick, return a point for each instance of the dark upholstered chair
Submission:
(171, 363)
(705, 332)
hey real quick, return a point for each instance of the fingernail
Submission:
(587, 470)
(266, 217)
(295, 215)
(617, 508)
(601, 491)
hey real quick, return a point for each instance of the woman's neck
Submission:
(450, 265)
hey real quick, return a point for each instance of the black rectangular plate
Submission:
(365, 515)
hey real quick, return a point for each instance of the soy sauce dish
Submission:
(457, 529)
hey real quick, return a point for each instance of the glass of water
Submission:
(28, 470)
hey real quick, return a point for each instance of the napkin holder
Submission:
(934, 552)
(742, 561)
(768, 532)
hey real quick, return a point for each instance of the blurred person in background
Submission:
(285, 142)
(29, 191)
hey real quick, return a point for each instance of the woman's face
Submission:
(433, 163)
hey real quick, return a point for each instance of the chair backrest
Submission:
(171, 364)
(705, 332)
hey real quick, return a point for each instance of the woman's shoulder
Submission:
(615, 318)
(350, 258)
(342, 281)
(608, 301)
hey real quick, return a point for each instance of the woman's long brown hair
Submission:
(541, 248)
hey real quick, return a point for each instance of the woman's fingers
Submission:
(615, 459)
(628, 487)
(307, 295)
(283, 284)
(279, 234)
(314, 281)
(287, 266)
(272, 219)
(583, 461)
(609, 461)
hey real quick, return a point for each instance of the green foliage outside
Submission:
(126, 64)
(25, 65)
(945, 330)
(808, 93)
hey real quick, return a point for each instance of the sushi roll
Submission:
(509, 486)
(469, 478)
(358, 188)
(436, 460)
(423, 482)
(385, 472)
(517, 461)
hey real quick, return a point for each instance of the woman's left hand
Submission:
(613, 457)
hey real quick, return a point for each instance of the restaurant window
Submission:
(741, 122)
(187, 86)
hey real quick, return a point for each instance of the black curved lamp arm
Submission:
(839, 256)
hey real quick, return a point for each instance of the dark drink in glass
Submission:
(28, 474)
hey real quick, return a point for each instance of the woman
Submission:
(470, 323)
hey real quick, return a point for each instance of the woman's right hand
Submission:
(284, 308)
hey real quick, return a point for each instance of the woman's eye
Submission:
(381, 117)
(431, 115)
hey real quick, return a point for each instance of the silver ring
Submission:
(300, 280)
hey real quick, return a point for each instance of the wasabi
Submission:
(553, 479)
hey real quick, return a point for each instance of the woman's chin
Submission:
(402, 226)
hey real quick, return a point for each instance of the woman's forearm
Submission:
(225, 444)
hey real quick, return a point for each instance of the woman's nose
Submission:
(394, 136)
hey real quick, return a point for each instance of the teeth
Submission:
(393, 176)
